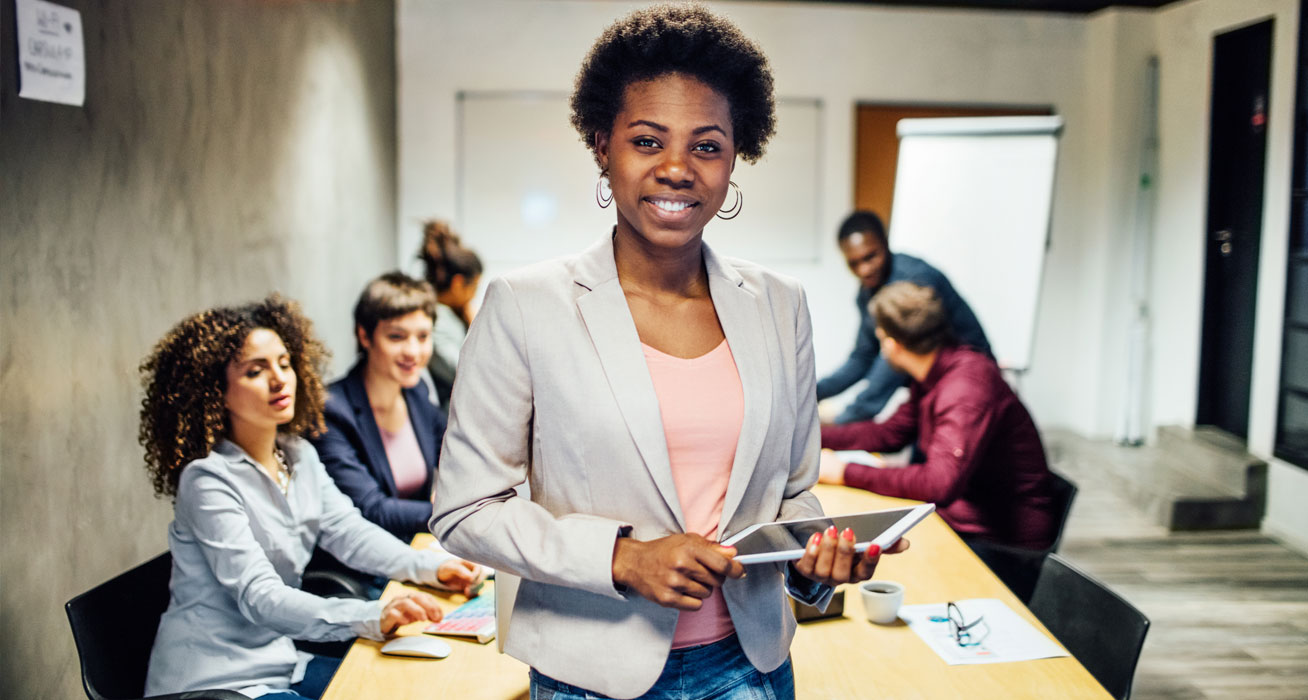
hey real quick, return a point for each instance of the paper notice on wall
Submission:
(51, 57)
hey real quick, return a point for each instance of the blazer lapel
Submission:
(368, 431)
(613, 332)
(742, 322)
(420, 416)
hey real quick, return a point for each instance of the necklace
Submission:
(283, 471)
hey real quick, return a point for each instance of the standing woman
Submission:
(656, 397)
(227, 392)
(455, 272)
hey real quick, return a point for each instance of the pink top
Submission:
(408, 466)
(703, 406)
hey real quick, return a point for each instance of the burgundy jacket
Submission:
(985, 468)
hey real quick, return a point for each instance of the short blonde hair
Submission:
(913, 316)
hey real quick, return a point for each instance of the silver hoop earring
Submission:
(603, 192)
(734, 210)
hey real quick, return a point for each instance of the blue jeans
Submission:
(317, 675)
(718, 671)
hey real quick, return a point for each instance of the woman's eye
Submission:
(395, 338)
(707, 147)
(645, 142)
(252, 372)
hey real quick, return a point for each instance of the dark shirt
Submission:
(985, 467)
(865, 361)
(354, 455)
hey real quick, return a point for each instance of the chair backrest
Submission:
(114, 626)
(1103, 631)
(1064, 494)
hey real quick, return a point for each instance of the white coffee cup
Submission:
(881, 601)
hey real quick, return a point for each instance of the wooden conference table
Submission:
(833, 659)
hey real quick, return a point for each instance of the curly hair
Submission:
(443, 255)
(185, 378)
(683, 39)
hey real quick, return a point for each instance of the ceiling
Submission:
(1068, 6)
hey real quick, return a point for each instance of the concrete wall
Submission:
(226, 149)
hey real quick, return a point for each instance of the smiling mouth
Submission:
(283, 400)
(671, 206)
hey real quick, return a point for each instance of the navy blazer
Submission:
(353, 453)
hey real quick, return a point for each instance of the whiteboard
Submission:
(973, 197)
(526, 184)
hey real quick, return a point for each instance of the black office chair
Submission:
(1064, 493)
(114, 626)
(1103, 631)
(1019, 567)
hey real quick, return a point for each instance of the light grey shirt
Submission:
(449, 334)
(239, 550)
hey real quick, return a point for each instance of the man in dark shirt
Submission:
(985, 467)
(862, 240)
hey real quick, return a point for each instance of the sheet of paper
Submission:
(1001, 636)
(51, 56)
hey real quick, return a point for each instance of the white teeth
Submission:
(669, 206)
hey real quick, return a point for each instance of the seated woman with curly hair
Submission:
(227, 392)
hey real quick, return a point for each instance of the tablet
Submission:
(785, 540)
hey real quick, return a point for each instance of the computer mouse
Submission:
(417, 645)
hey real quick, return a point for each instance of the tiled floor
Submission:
(1229, 609)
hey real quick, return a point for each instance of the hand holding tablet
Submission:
(830, 558)
(787, 540)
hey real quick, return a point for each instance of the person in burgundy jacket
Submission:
(985, 467)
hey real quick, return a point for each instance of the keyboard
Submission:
(475, 618)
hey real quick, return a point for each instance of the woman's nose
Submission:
(279, 376)
(674, 170)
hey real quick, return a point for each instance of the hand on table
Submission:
(829, 558)
(828, 411)
(409, 607)
(459, 575)
(677, 571)
(831, 468)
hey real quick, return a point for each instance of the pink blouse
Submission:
(702, 405)
(408, 466)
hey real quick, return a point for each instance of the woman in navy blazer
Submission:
(383, 434)
(355, 457)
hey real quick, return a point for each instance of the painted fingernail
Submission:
(874, 551)
(848, 534)
(831, 531)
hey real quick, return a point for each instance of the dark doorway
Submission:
(1237, 155)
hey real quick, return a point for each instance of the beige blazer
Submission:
(553, 391)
